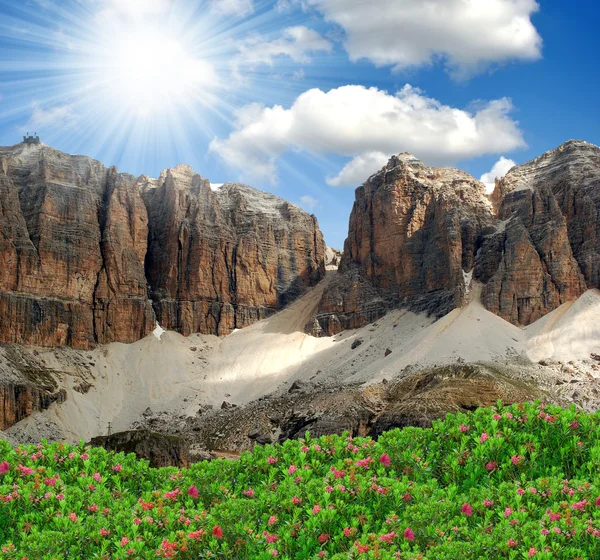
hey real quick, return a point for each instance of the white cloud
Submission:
(359, 169)
(239, 8)
(309, 203)
(355, 121)
(500, 169)
(468, 35)
(59, 117)
(297, 43)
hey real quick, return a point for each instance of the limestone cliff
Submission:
(418, 235)
(75, 263)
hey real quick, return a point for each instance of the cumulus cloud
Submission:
(468, 35)
(359, 169)
(109, 10)
(367, 124)
(297, 43)
(309, 203)
(500, 169)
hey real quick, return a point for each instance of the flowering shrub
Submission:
(509, 482)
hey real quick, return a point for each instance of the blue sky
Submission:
(302, 98)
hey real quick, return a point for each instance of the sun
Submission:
(148, 71)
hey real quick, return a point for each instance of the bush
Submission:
(510, 482)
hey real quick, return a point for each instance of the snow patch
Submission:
(158, 331)
(216, 186)
(468, 277)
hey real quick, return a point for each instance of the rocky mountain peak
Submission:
(81, 244)
(418, 235)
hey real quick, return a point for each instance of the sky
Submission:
(301, 98)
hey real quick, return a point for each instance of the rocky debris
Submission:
(75, 261)
(160, 450)
(387, 352)
(361, 410)
(356, 343)
(413, 230)
(221, 260)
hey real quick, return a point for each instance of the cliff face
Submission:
(74, 252)
(221, 260)
(418, 235)
(413, 231)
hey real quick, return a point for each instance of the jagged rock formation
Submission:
(221, 260)
(74, 252)
(333, 257)
(417, 236)
(413, 231)
(546, 250)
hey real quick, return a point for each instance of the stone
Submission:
(161, 450)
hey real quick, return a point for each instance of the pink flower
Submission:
(574, 425)
(217, 532)
(385, 460)
(487, 503)
(292, 469)
(124, 541)
(137, 521)
(104, 532)
(516, 459)
(323, 538)
(347, 532)
(60, 497)
(296, 500)
(84, 456)
(25, 470)
(117, 468)
(388, 538)
(273, 552)
(491, 466)
(73, 517)
(512, 543)
(305, 449)
(271, 460)
(97, 477)
(4, 467)
(467, 510)
(196, 535)
(193, 492)
(545, 532)
(272, 520)
(598, 501)
(497, 417)
(484, 437)
(464, 428)
(316, 509)
(532, 552)
(554, 516)
(409, 534)
(249, 493)
(270, 538)
(93, 508)
(508, 512)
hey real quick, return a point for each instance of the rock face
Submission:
(159, 450)
(546, 250)
(74, 252)
(221, 260)
(418, 236)
(414, 232)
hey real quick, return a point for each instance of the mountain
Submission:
(418, 236)
(91, 256)
(444, 299)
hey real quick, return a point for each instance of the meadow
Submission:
(509, 482)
